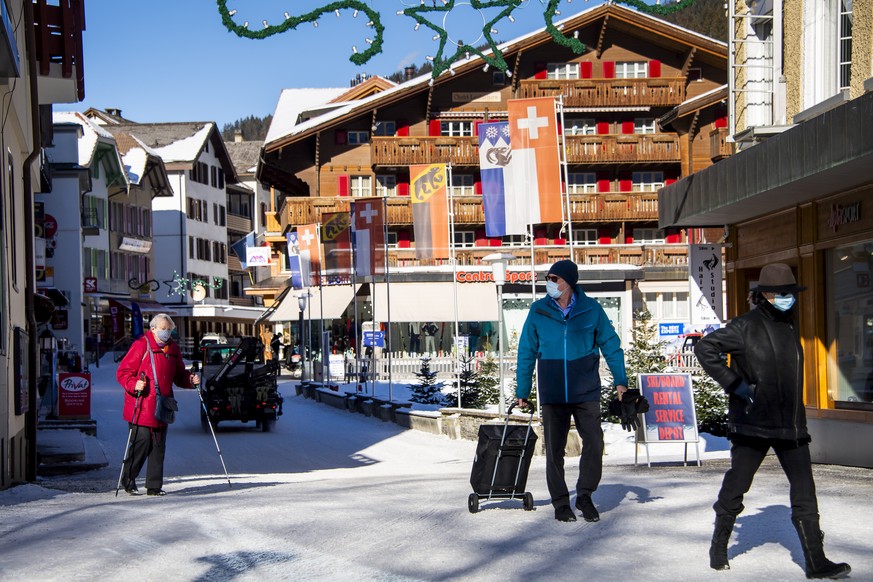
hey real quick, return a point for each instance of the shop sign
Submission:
(74, 395)
(671, 416)
(667, 329)
(705, 279)
(844, 214)
(89, 284)
(488, 277)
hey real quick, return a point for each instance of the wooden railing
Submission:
(655, 92)
(58, 27)
(239, 223)
(405, 151)
(599, 207)
(719, 148)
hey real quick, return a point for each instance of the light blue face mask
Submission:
(163, 335)
(552, 289)
(783, 302)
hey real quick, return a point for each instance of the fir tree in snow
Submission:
(489, 378)
(471, 396)
(428, 390)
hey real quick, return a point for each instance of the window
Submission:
(465, 238)
(222, 216)
(849, 292)
(391, 239)
(357, 137)
(94, 263)
(648, 236)
(385, 128)
(215, 213)
(581, 183)
(386, 185)
(220, 178)
(674, 305)
(845, 48)
(562, 71)
(213, 173)
(456, 128)
(515, 240)
(361, 185)
(695, 74)
(631, 70)
(644, 125)
(95, 210)
(585, 236)
(462, 185)
(190, 247)
(579, 126)
(647, 181)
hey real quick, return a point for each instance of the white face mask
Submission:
(552, 290)
(783, 302)
(163, 335)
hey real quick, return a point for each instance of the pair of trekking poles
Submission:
(138, 410)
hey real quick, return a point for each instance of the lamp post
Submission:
(498, 270)
(301, 303)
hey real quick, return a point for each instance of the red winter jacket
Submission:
(170, 370)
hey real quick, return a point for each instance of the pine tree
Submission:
(471, 396)
(428, 390)
(710, 405)
(489, 380)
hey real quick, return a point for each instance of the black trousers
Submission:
(556, 427)
(145, 444)
(747, 453)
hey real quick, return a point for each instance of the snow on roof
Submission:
(185, 149)
(135, 163)
(91, 133)
(293, 102)
(702, 96)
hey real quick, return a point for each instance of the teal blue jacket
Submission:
(566, 351)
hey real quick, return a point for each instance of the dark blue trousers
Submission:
(556, 427)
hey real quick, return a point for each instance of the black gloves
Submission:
(628, 409)
(747, 393)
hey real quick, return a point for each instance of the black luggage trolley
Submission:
(502, 461)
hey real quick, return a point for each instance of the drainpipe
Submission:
(30, 420)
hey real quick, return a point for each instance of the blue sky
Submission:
(175, 61)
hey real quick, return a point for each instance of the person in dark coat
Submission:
(149, 435)
(564, 336)
(276, 347)
(764, 383)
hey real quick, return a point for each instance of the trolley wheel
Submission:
(473, 503)
(267, 425)
(528, 502)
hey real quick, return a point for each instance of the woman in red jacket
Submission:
(148, 436)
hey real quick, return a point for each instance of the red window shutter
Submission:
(587, 69)
(560, 128)
(402, 128)
(721, 122)
(608, 69)
(340, 137)
(673, 238)
(477, 188)
(476, 126)
(403, 244)
(602, 127)
(540, 71)
(654, 68)
(625, 186)
(495, 241)
(343, 185)
(434, 128)
(627, 126)
(668, 181)
(403, 189)
(604, 237)
(603, 186)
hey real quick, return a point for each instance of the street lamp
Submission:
(498, 270)
(301, 303)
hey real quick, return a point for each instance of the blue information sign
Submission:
(374, 338)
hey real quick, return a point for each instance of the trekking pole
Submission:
(127, 446)
(212, 430)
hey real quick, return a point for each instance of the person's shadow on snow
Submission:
(771, 524)
(609, 497)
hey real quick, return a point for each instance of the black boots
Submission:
(724, 525)
(817, 565)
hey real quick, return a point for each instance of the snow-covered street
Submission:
(331, 495)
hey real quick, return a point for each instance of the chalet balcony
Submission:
(719, 147)
(58, 35)
(238, 223)
(405, 151)
(644, 148)
(593, 207)
(647, 92)
(637, 255)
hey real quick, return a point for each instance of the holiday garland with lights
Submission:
(442, 61)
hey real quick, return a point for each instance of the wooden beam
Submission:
(516, 78)
(602, 35)
(688, 60)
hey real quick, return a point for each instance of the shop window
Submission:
(849, 291)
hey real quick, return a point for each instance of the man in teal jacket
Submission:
(564, 335)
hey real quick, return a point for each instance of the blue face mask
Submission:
(163, 335)
(783, 302)
(552, 290)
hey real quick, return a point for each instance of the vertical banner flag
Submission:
(240, 246)
(535, 171)
(336, 238)
(299, 269)
(495, 155)
(310, 251)
(705, 278)
(430, 218)
(368, 236)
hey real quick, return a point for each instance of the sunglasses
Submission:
(553, 278)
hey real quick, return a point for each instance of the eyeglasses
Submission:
(553, 278)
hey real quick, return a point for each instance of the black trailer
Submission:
(239, 385)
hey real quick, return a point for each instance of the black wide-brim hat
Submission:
(777, 278)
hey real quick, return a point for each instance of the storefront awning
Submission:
(329, 302)
(435, 302)
(145, 306)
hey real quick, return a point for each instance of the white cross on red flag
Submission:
(310, 250)
(368, 236)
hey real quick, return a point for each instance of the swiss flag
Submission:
(368, 236)
(310, 249)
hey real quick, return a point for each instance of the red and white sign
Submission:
(74, 395)
(50, 226)
(89, 284)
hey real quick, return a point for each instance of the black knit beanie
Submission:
(566, 270)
